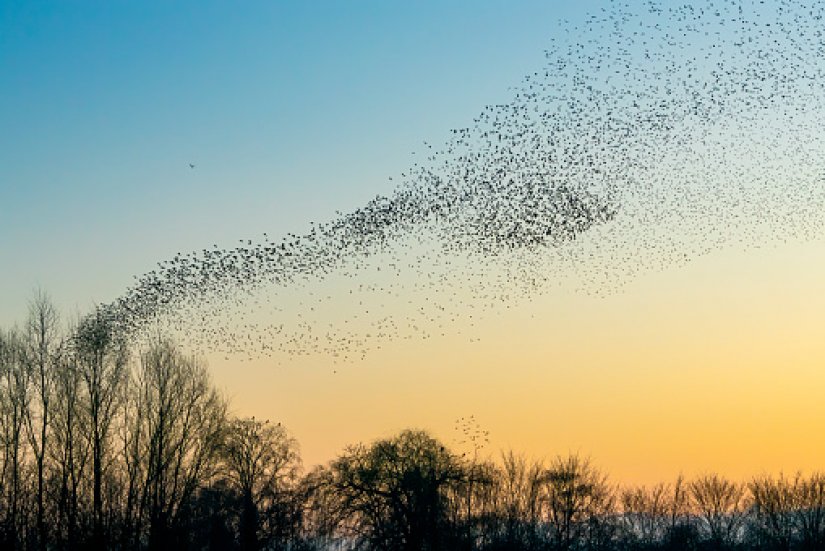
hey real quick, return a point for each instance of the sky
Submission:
(291, 111)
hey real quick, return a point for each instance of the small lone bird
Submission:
(191, 165)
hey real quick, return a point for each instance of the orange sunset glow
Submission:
(364, 276)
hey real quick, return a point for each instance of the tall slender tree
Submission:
(181, 427)
(14, 402)
(70, 445)
(42, 351)
(102, 357)
(261, 462)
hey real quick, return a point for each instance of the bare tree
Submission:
(323, 513)
(478, 481)
(719, 504)
(14, 403)
(102, 358)
(262, 464)
(772, 509)
(519, 495)
(70, 446)
(577, 501)
(646, 512)
(42, 351)
(133, 461)
(809, 513)
(180, 430)
(97, 452)
(392, 493)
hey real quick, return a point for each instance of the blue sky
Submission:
(292, 110)
(289, 110)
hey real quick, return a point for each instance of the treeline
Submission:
(107, 447)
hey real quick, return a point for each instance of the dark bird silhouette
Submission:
(652, 135)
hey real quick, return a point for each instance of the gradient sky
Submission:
(290, 110)
(293, 110)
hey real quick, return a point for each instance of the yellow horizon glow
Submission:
(714, 366)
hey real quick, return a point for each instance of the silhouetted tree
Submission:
(14, 402)
(392, 494)
(323, 518)
(577, 503)
(809, 513)
(518, 488)
(645, 514)
(772, 509)
(99, 451)
(474, 495)
(70, 446)
(719, 505)
(177, 435)
(262, 464)
(41, 352)
(210, 518)
(101, 356)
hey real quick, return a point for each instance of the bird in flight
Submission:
(191, 165)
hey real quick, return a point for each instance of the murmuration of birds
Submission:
(653, 134)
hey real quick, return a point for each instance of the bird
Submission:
(649, 137)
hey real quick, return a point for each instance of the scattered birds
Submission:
(653, 134)
(471, 434)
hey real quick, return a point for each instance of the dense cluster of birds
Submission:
(655, 133)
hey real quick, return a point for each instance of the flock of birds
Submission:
(654, 134)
